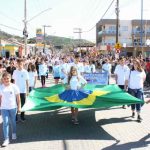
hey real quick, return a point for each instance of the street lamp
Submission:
(25, 33)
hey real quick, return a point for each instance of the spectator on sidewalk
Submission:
(10, 104)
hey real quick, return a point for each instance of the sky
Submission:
(66, 15)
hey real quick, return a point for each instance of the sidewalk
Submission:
(99, 129)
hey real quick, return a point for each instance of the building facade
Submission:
(130, 36)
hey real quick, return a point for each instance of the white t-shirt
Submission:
(136, 79)
(64, 70)
(87, 69)
(122, 73)
(20, 77)
(8, 93)
(43, 69)
(78, 66)
(32, 76)
(107, 67)
(75, 82)
(93, 68)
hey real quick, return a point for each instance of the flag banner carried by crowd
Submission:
(92, 96)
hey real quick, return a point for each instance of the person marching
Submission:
(10, 104)
(121, 75)
(136, 80)
(21, 79)
(32, 76)
(74, 82)
(42, 71)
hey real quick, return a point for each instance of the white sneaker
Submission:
(14, 137)
(6, 142)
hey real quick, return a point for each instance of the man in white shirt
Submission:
(121, 74)
(21, 78)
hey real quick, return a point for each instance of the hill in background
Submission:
(50, 40)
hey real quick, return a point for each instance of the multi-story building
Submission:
(129, 36)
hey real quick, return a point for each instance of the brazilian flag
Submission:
(92, 96)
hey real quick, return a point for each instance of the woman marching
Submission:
(10, 104)
(135, 87)
(73, 84)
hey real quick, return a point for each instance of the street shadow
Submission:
(115, 120)
(53, 125)
(131, 145)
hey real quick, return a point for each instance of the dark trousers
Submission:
(22, 98)
(121, 86)
(43, 80)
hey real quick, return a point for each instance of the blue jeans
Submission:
(138, 93)
(8, 116)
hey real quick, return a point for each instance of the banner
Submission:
(96, 78)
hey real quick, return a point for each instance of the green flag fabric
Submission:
(92, 96)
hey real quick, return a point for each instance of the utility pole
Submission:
(45, 37)
(117, 20)
(25, 33)
(79, 31)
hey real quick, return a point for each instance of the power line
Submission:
(10, 27)
(6, 16)
(101, 17)
(39, 14)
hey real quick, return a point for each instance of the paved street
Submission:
(99, 129)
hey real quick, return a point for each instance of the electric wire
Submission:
(101, 17)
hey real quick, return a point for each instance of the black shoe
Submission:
(124, 107)
(133, 114)
(23, 119)
(139, 119)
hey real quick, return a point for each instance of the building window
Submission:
(124, 28)
(112, 28)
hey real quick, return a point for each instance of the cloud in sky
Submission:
(66, 15)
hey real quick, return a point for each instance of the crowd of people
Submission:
(18, 77)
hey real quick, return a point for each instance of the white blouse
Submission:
(75, 82)
(136, 79)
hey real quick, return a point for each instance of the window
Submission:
(124, 28)
(112, 28)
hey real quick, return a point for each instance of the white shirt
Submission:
(75, 82)
(78, 66)
(64, 70)
(87, 69)
(122, 73)
(32, 76)
(136, 79)
(20, 77)
(107, 67)
(8, 94)
(43, 69)
(93, 68)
